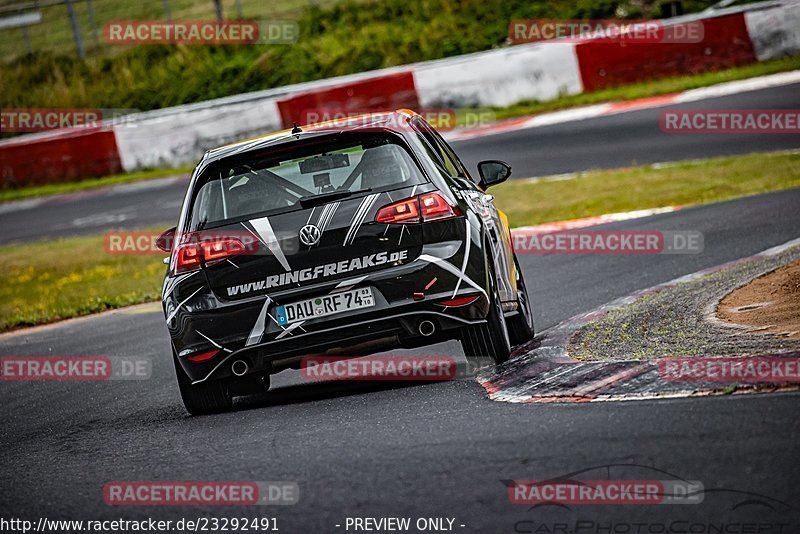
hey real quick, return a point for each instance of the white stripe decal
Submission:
(267, 235)
(368, 204)
(466, 257)
(366, 212)
(170, 287)
(321, 215)
(447, 266)
(356, 216)
(258, 328)
(326, 216)
(329, 216)
(289, 330)
(214, 342)
(178, 307)
(361, 214)
(344, 285)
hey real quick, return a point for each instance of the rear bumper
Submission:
(352, 339)
(247, 330)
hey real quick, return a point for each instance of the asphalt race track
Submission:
(431, 450)
(632, 138)
(605, 142)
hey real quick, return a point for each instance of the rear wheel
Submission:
(520, 326)
(490, 339)
(203, 398)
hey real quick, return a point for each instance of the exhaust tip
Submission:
(239, 367)
(426, 328)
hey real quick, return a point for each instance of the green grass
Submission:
(89, 183)
(335, 38)
(46, 282)
(55, 33)
(662, 86)
(680, 184)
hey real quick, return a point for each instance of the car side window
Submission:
(433, 142)
(462, 171)
(433, 154)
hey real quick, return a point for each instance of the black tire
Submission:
(490, 339)
(520, 326)
(204, 398)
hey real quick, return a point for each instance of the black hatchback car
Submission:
(340, 238)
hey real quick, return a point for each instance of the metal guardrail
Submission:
(20, 21)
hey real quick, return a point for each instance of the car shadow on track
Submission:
(331, 389)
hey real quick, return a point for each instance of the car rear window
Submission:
(270, 183)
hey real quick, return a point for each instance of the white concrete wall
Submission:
(167, 140)
(499, 77)
(775, 31)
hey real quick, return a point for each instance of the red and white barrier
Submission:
(381, 92)
(537, 71)
(726, 44)
(62, 156)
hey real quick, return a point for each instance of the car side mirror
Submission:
(165, 240)
(493, 172)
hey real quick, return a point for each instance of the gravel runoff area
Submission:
(680, 320)
(770, 303)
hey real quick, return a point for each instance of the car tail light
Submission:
(421, 208)
(221, 249)
(405, 211)
(435, 207)
(188, 256)
(460, 301)
(203, 356)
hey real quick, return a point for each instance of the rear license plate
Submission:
(355, 299)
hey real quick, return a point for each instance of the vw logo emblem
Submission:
(309, 235)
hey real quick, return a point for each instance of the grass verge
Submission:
(46, 282)
(54, 280)
(649, 186)
(90, 183)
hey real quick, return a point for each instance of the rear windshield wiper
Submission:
(324, 198)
